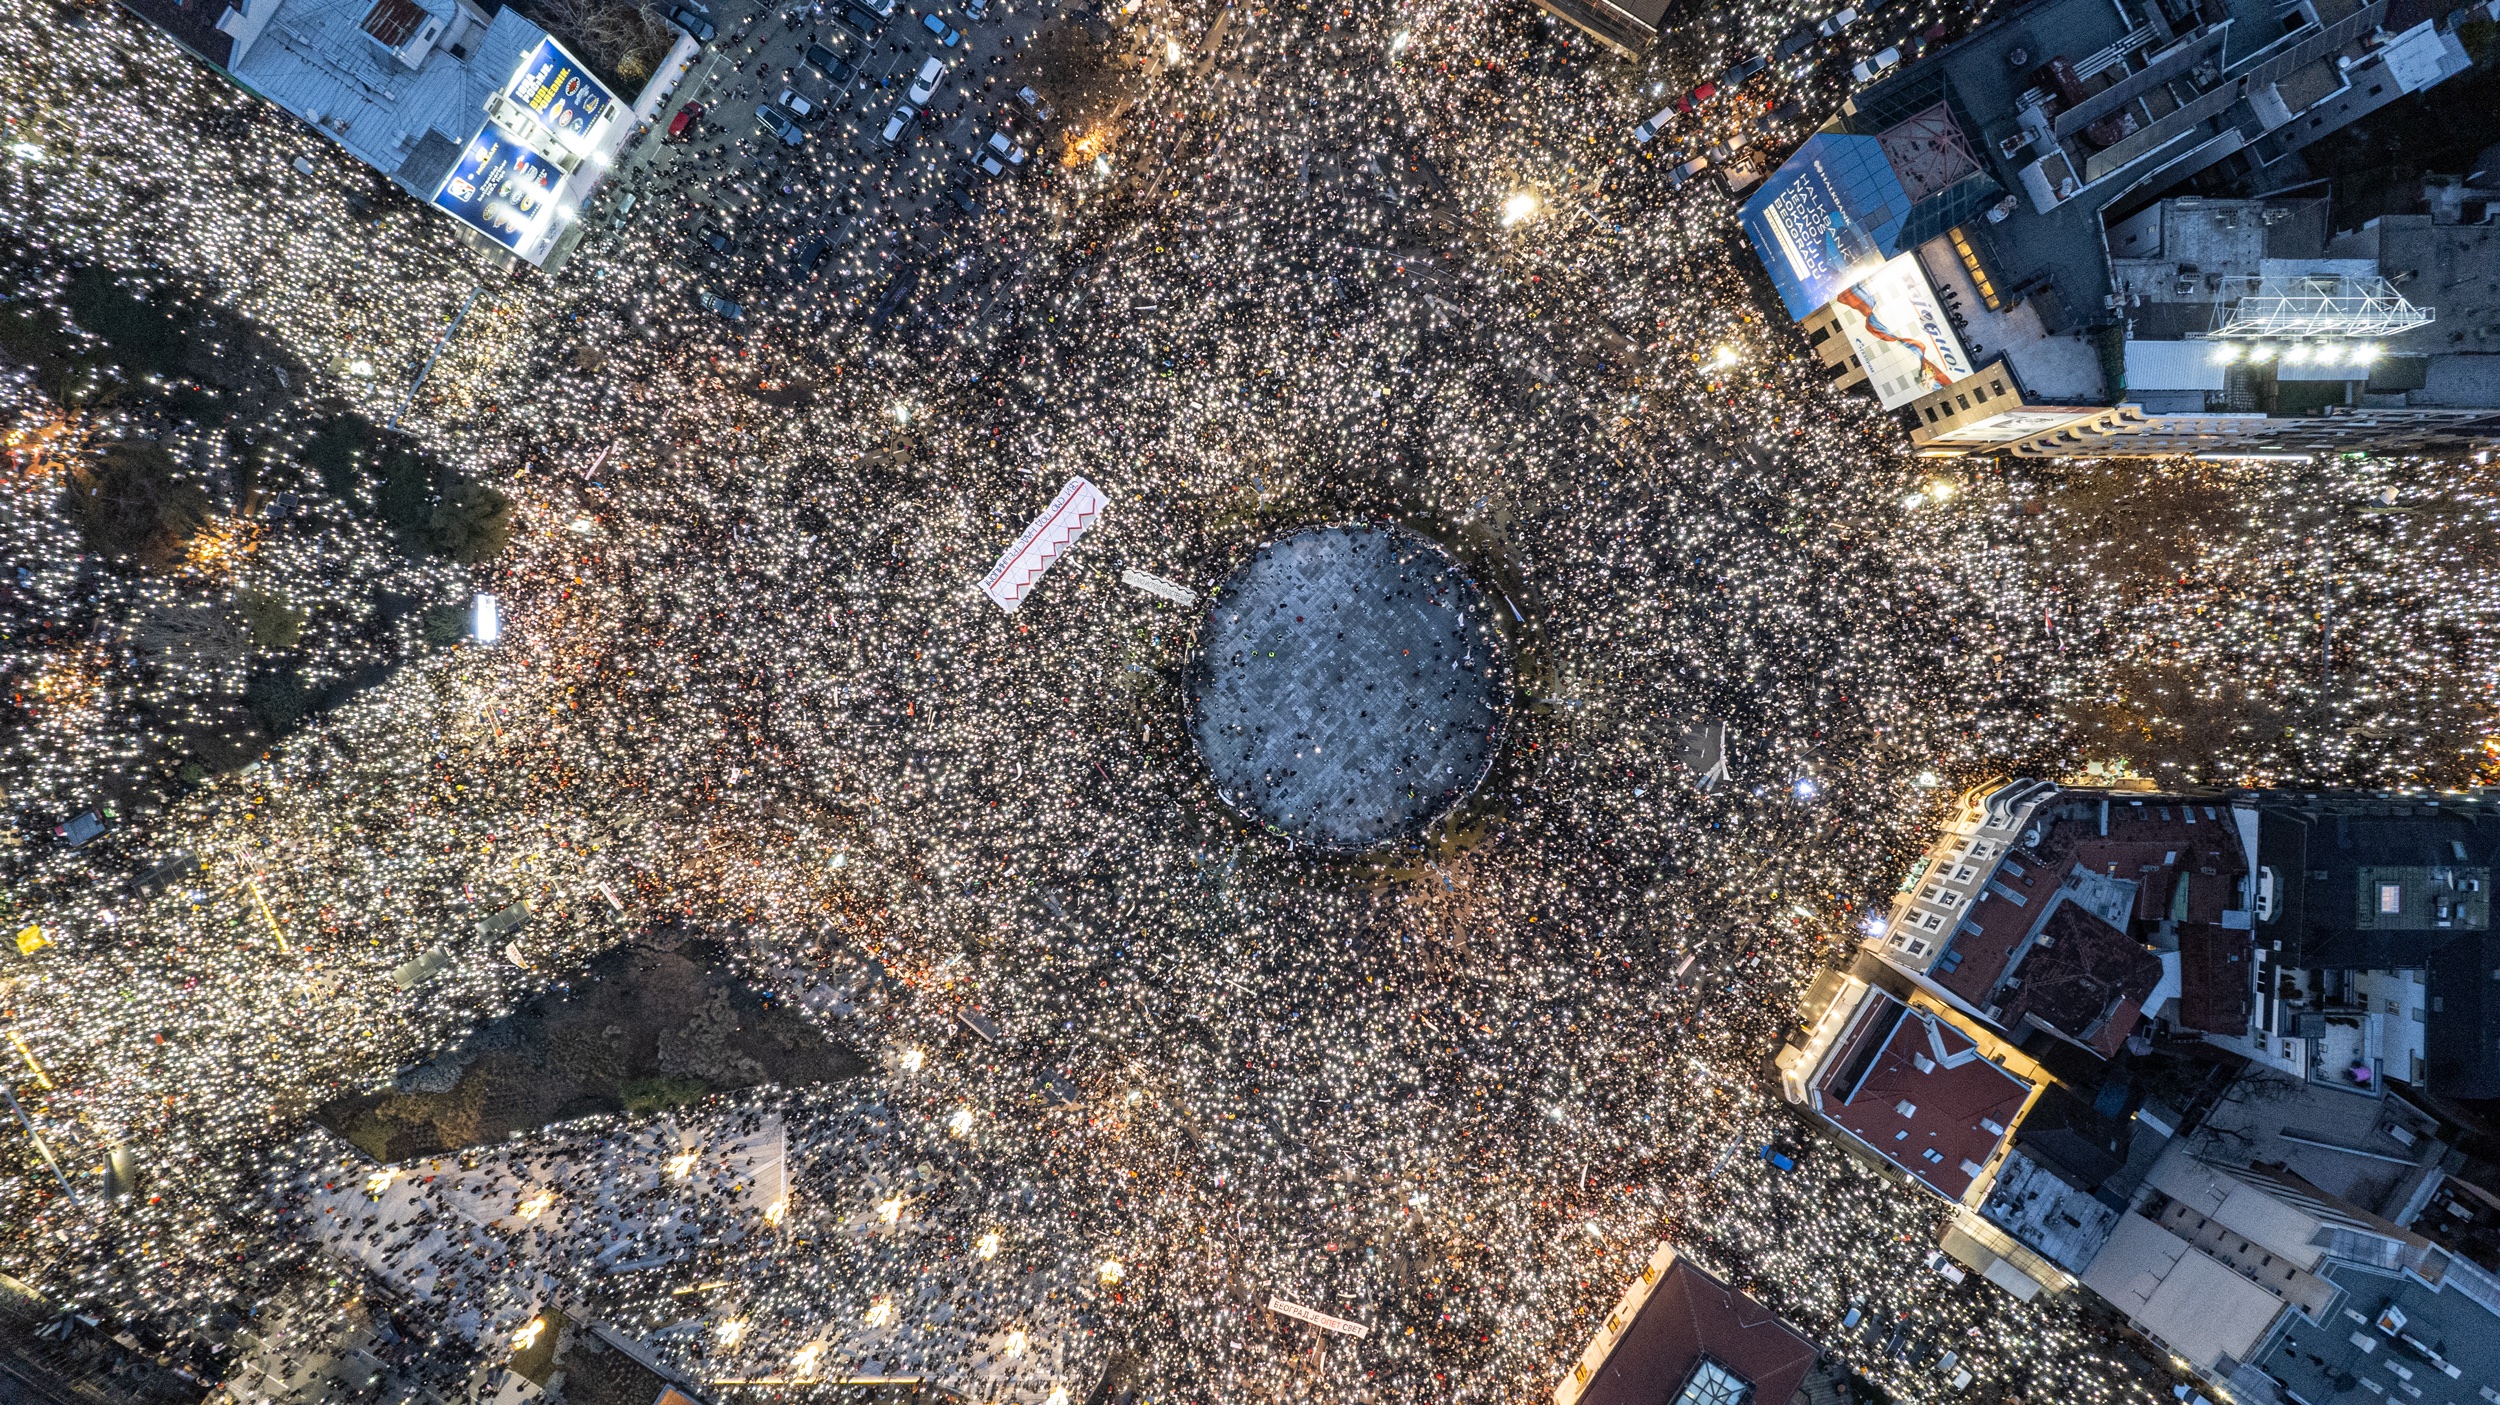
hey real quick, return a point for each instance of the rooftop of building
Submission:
(1920, 1094)
(2454, 1326)
(2375, 1153)
(2216, 966)
(1690, 1329)
(2193, 1304)
(2080, 977)
(317, 59)
(2100, 875)
(2054, 1218)
(2390, 883)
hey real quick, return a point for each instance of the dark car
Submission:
(866, 21)
(722, 307)
(828, 63)
(1741, 70)
(693, 24)
(717, 241)
(1697, 97)
(962, 200)
(781, 124)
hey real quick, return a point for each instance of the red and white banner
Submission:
(1070, 513)
(1317, 1318)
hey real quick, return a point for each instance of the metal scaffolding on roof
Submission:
(2314, 305)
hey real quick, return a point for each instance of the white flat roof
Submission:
(316, 57)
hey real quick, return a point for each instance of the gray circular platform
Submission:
(1349, 686)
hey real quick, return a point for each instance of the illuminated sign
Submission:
(1900, 333)
(1827, 216)
(559, 95)
(503, 189)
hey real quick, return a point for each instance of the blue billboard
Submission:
(1827, 218)
(502, 188)
(552, 85)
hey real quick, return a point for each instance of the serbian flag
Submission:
(1070, 513)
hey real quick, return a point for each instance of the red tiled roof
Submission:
(1690, 1315)
(1947, 1097)
(2001, 921)
(2082, 978)
(2214, 983)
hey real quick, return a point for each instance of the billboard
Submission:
(502, 188)
(552, 86)
(1899, 332)
(1825, 218)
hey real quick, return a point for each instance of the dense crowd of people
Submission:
(1394, 263)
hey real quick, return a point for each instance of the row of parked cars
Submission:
(1805, 36)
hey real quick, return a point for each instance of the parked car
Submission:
(1657, 123)
(976, 9)
(1001, 155)
(1839, 20)
(962, 200)
(925, 86)
(1779, 1159)
(1798, 41)
(1687, 171)
(717, 241)
(882, 9)
(1699, 95)
(1865, 69)
(797, 105)
(683, 124)
(1033, 103)
(781, 124)
(828, 63)
(947, 35)
(865, 21)
(693, 24)
(722, 307)
(896, 125)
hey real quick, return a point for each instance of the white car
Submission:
(924, 87)
(797, 106)
(897, 125)
(882, 9)
(1002, 155)
(1836, 23)
(1657, 123)
(1866, 68)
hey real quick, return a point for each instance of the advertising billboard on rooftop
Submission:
(1900, 333)
(553, 87)
(1826, 218)
(503, 189)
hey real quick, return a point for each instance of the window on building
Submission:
(1714, 1384)
(1970, 265)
